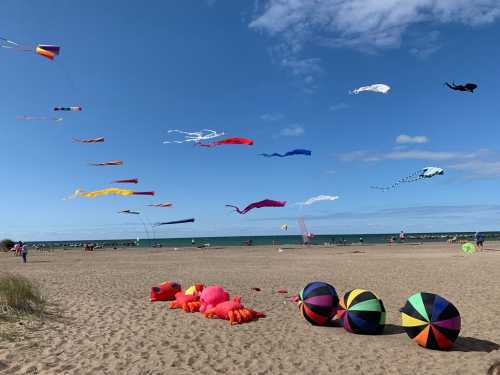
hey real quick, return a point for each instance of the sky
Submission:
(276, 71)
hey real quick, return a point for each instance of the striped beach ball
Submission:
(318, 302)
(431, 321)
(362, 312)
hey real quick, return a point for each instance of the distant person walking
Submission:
(17, 249)
(479, 237)
(402, 236)
(24, 252)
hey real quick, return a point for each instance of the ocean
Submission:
(269, 240)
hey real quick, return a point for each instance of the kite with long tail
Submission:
(199, 136)
(108, 191)
(126, 181)
(107, 163)
(260, 204)
(91, 140)
(469, 87)
(289, 153)
(129, 212)
(69, 109)
(174, 222)
(228, 141)
(160, 205)
(424, 173)
(380, 88)
(45, 50)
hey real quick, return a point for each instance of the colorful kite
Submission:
(470, 87)
(378, 87)
(92, 140)
(197, 137)
(39, 118)
(129, 212)
(127, 181)
(45, 50)
(228, 141)
(319, 198)
(174, 222)
(107, 163)
(260, 204)
(161, 205)
(108, 191)
(68, 109)
(289, 153)
(427, 172)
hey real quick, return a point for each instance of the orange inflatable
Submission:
(165, 291)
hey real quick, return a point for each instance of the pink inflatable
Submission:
(212, 296)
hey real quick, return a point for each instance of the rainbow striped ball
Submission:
(318, 302)
(362, 312)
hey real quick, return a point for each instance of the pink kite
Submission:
(260, 204)
(212, 296)
(228, 141)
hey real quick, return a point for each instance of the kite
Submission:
(378, 87)
(195, 136)
(289, 153)
(68, 109)
(427, 172)
(174, 222)
(260, 204)
(45, 50)
(228, 141)
(470, 87)
(161, 205)
(129, 212)
(107, 163)
(284, 227)
(108, 191)
(319, 198)
(40, 118)
(92, 140)
(127, 181)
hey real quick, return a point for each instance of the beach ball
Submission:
(468, 248)
(318, 302)
(362, 312)
(431, 321)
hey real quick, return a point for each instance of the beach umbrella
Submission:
(362, 312)
(468, 248)
(430, 320)
(318, 302)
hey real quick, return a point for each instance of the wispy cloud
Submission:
(367, 156)
(292, 131)
(338, 107)
(478, 169)
(364, 23)
(426, 45)
(419, 139)
(270, 117)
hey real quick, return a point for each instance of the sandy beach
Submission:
(107, 325)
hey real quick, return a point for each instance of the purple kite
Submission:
(260, 204)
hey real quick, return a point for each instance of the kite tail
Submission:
(272, 155)
(235, 209)
(205, 144)
(143, 193)
(411, 178)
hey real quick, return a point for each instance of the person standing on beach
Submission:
(24, 252)
(479, 237)
(17, 249)
(402, 236)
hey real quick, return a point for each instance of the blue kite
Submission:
(289, 153)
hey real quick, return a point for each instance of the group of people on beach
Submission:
(20, 249)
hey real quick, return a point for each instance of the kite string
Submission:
(411, 178)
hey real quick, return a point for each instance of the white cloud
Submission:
(364, 23)
(272, 117)
(292, 131)
(478, 168)
(409, 155)
(419, 139)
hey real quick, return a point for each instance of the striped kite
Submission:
(45, 50)
(108, 191)
(161, 205)
(69, 109)
(92, 140)
(129, 212)
(260, 204)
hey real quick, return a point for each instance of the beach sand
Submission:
(108, 326)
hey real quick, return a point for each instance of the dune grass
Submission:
(19, 298)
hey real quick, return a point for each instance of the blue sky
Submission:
(276, 71)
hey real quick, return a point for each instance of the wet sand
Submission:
(108, 326)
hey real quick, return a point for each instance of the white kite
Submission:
(39, 118)
(319, 198)
(427, 172)
(196, 137)
(378, 87)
